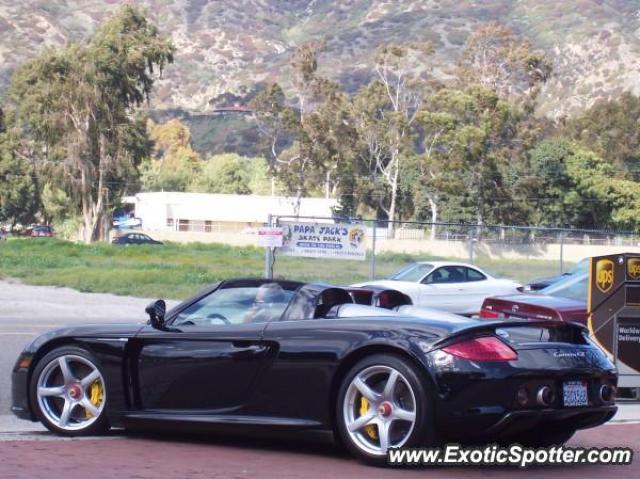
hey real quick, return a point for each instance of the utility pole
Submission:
(268, 254)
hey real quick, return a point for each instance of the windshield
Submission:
(237, 305)
(581, 266)
(414, 272)
(572, 287)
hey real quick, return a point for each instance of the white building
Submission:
(205, 212)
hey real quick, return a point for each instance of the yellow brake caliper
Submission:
(371, 429)
(95, 395)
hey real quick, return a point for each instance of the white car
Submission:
(454, 287)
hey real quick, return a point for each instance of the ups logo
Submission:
(633, 268)
(604, 275)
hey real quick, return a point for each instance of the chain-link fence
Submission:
(517, 252)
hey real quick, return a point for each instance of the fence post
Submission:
(471, 246)
(561, 252)
(268, 254)
(372, 264)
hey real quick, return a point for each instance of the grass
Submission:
(176, 271)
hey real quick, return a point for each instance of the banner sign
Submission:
(315, 240)
(270, 237)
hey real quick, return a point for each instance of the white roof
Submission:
(437, 264)
(236, 208)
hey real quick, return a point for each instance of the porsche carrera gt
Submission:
(257, 353)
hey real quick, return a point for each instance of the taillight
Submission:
(489, 314)
(486, 348)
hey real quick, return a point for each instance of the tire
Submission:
(68, 393)
(375, 413)
(545, 438)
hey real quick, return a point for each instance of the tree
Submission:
(173, 164)
(78, 105)
(176, 171)
(300, 154)
(18, 186)
(467, 136)
(494, 58)
(580, 189)
(233, 174)
(384, 113)
(610, 129)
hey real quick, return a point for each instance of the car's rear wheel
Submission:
(383, 403)
(69, 393)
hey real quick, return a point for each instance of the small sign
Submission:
(318, 240)
(270, 237)
(633, 269)
(604, 275)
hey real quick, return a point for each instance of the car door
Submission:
(207, 359)
(445, 288)
(476, 288)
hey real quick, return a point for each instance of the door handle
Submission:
(247, 350)
(254, 348)
(245, 345)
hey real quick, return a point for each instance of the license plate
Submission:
(574, 394)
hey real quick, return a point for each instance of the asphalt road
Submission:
(27, 311)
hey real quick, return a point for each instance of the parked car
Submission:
(537, 284)
(454, 287)
(42, 231)
(564, 300)
(134, 238)
(276, 354)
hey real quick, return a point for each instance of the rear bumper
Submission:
(497, 424)
(516, 422)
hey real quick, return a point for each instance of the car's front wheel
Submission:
(68, 392)
(382, 404)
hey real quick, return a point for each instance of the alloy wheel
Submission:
(71, 392)
(379, 409)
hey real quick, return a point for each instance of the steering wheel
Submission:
(220, 317)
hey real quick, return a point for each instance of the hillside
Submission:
(230, 46)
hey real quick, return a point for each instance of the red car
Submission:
(565, 300)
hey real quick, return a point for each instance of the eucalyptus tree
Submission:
(18, 192)
(75, 108)
(495, 58)
(385, 113)
(300, 153)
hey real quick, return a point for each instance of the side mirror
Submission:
(156, 312)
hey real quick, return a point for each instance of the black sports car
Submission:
(265, 353)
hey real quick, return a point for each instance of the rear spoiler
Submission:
(489, 327)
